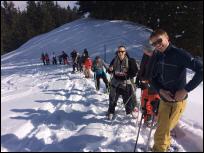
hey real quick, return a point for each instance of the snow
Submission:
(47, 108)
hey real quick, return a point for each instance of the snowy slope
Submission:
(46, 108)
(85, 33)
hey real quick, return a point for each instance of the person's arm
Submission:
(195, 65)
(105, 66)
(133, 69)
(110, 69)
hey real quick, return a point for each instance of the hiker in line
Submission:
(47, 60)
(87, 64)
(87, 67)
(149, 95)
(60, 59)
(98, 69)
(124, 69)
(169, 80)
(64, 57)
(54, 59)
(43, 58)
(74, 57)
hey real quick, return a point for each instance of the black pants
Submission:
(74, 67)
(129, 99)
(105, 80)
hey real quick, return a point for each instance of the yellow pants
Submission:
(168, 116)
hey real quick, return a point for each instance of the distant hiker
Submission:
(87, 63)
(43, 58)
(149, 95)
(169, 80)
(79, 65)
(124, 69)
(60, 59)
(74, 57)
(98, 68)
(47, 59)
(64, 57)
(54, 59)
(81, 62)
(87, 67)
(86, 52)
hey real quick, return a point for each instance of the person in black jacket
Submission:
(74, 59)
(169, 80)
(124, 69)
(149, 96)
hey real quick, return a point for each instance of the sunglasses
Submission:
(159, 41)
(121, 51)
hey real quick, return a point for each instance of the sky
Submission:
(22, 4)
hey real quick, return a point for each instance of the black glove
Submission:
(138, 83)
(155, 105)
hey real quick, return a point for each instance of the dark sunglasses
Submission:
(159, 41)
(121, 51)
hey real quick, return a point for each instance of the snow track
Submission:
(47, 108)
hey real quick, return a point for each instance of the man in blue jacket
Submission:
(169, 80)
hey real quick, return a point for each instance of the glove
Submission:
(138, 83)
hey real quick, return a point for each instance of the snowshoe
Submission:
(173, 148)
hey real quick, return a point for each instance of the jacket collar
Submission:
(168, 49)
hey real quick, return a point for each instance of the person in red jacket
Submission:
(47, 59)
(87, 66)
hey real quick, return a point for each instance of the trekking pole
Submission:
(138, 131)
(149, 136)
(140, 124)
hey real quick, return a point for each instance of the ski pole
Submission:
(138, 132)
(143, 113)
(149, 136)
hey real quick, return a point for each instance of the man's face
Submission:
(160, 42)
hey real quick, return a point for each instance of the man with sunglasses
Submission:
(124, 69)
(169, 80)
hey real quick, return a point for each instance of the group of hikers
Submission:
(81, 63)
(62, 58)
(161, 77)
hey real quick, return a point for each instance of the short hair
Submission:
(158, 32)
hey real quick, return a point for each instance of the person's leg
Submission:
(97, 82)
(113, 97)
(162, 134)
(127, 99)
(105, 80)
(89, 72)
(178, 109)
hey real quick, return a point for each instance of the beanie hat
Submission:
(148, 47)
